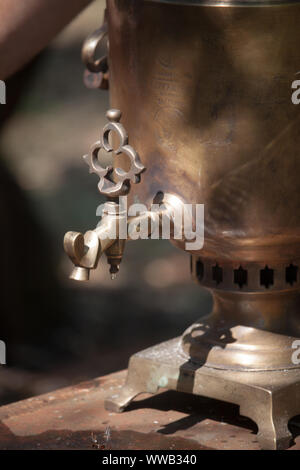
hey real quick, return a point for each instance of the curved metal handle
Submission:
(115, 182)
(89, 48)
(82, 249)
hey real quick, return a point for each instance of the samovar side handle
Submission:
(90, 46)
(96, 74)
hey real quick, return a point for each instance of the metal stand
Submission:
(270, 398)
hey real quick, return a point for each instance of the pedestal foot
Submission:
(273, 431)
(136, 384)
(275, 407)
(269, 398)
(277, 437)
(121, 399)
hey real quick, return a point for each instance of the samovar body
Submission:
(206, 98)
(206, 88)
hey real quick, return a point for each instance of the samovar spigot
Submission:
(85, 250)
(115, 227)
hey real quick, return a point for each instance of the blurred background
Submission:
(59, 332)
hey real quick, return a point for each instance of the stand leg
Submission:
(136, 383)
(269, 398)
(272, 422)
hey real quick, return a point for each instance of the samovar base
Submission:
(269, 398)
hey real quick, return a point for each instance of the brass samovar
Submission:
(205, 93)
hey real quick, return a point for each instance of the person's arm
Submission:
(27, 26)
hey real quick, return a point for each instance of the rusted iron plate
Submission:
(75, 418)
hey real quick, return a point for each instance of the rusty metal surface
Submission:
(74, 418)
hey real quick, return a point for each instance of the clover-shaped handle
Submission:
(115, 182)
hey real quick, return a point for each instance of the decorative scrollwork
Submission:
(114, 182)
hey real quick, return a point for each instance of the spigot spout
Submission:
(114, 256)
(85, 250)
(80, 274)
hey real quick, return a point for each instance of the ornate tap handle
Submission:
(115, 182)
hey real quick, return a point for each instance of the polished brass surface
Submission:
(246, 332)
(206, 98)
(207, 104)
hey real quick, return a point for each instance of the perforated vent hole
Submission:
(291, 274)
(199, 270)
(217, 274)
(266, 277)
(240, 277)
